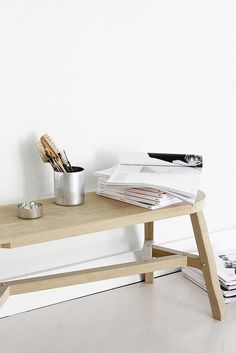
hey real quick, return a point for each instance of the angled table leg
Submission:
(4, 294)
(208, 265)
(149, 234)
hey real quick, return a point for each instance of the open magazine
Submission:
(176, 174)
(226, 270)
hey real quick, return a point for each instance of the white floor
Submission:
(171, 316)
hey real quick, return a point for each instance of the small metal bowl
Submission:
(30, 210)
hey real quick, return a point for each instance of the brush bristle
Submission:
(54, 146)
(51, 142)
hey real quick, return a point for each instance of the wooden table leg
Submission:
(4, 294)
(149, 234)
(5, 246)
(208, 263)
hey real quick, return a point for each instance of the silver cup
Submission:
(69, 187)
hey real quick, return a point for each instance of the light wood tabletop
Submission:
(96, 214)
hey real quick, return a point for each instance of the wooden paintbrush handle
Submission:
(58, 160)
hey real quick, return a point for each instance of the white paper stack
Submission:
(144, 197)
(226, 270)
(152, 180)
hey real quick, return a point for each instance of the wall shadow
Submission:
(37, 176)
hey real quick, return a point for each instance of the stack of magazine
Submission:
(152, 180)
(226, 270)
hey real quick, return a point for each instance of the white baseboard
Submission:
(222, 239)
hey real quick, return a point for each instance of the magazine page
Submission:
(161, 159)
(106, 172)
(226, 267)
(179, 174)
(129, 192)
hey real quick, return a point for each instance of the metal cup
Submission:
(69, 187)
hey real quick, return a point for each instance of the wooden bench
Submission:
(99, 214)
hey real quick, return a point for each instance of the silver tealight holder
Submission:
(69, 187)
(29, 210)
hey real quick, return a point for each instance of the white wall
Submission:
(104, 77)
